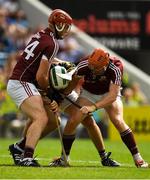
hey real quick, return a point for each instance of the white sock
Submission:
(137, 157)
(62, 157)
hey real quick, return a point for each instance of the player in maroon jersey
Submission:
(101, 89)
(32, 67)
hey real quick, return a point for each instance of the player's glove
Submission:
(67, 65)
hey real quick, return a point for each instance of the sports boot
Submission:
(141, 164)
(58, 162)
(16, 153)
(29, 162)
(107, 161)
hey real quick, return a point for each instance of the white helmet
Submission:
(59, 77)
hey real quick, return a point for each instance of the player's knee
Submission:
(43, 120)
(119, 124)
(71, 125)
(88, 123)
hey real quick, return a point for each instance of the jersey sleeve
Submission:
(116, 71)
(49, 47)
(50, 52)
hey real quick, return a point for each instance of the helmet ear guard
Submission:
(98, 59)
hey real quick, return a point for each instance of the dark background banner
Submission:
(123, 26)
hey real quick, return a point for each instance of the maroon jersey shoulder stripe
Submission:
(82, 65)
(56, 46)
(117, 72)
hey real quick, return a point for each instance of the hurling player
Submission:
(101, 89)
(32, 67)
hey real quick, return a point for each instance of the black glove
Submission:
(53, 94)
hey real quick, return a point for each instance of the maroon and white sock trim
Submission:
(126, 132)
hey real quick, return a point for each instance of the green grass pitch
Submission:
(85, 162)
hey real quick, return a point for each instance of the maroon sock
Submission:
(28, 152)
(21, 143)
(128, 139)
(67, 142)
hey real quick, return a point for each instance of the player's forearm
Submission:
(107, 100)
(110, 97)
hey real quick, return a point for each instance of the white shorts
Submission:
(94, 98)
(19, 91)
(73, 96)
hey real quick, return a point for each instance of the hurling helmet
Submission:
(98, 59)
(60, 19)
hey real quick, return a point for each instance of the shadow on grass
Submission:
(46, 166)
(72, 166)
(12, 165)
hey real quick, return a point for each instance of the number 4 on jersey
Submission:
(30, 48)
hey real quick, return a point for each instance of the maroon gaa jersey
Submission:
(42, 45)
(99, 84)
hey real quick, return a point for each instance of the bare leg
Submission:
(115, 112)
(38, 116)
(94, 133)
